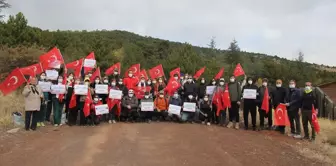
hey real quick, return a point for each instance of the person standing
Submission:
(33, 96)
(307, 103)
(42, 113)
(293, 105)
(58, 104)
(201, 89)
(250, 105)
(279, 95)
(260, 98)
(70, 89)
(221, 119)
(235, 97)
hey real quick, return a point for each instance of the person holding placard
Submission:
(114, 104)
(201, 90)
(235, 97)
(130, 105)
(42, 113)
(104, 97)
(94, 119)
(188, 116)
(82, 119)
(205, 110)
(58, 103)
(146, 115)
(161, 107)
(250, 102)
(159, 86)
(175, 100)
(122, 87)
(70, 91)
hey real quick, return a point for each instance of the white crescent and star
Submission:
(157, 72)
(15, 80)
(277, 112)
(35, 68)
(134, 70)
(77, 63)
(174, 83)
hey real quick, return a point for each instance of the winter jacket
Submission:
(161, 103)
(294, 99)
(190, 89)
(248, 86)
(279, 95)
(235, 91)
(260, 95)
(175, 101)
(33, 95)
(132, 101)
(130, 82)
(308, 100)
(201, 90)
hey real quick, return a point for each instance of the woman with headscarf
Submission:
(42, 113)
(70, 91)
(58, 103)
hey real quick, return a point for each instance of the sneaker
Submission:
(203, 122)
(237, 126)
(208, 124)
(42, 124)
(230, 125)
(110, 121)
(60, 124)
(306, 138)
(149, 121)
(298, 136)
(38, 124)
(56, 125)
(291, 135)
(113, 121)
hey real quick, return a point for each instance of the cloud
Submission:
(273, 27)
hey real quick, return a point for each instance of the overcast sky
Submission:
(275, 27)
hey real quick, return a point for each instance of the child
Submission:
(205, 107)
(94, 119)
(114, 104)
(161, 107)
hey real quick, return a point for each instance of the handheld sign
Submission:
(210, 90)
(81, 89)
(147, 106)
(189, 107)
(57, 89)
(101, 89)
(115, 94)
(250, 94)
(101, 109)
(174, 109)
(52, 74)
(89, 63)
(45, 86)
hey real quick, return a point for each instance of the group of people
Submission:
(39, 104)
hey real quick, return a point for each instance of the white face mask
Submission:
(90, 75)
(154, 82)
(161, 96)
(160, 81)
(214, 83)
(278, 85)
(291, 85)
(70, 77)
(221, 83)
(206, 99)
(130, 95)
(146, 97)
(96, 81)
(250, 82)
(87, 83)
(120, 83)
(113, 84)
(264, 83)
(232, 79)
(176, 96)
(130, 75)
(60, 80)
(96, 99)
(182, 78)
(189, 80)
(116, 73)
(43, 77)
(149, 83)
(142, 81)
(105, 81)
(190, 96)
(202, 81)
(307, 88)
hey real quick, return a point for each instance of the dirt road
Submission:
(148, 144)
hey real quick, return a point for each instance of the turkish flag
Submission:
(226, 98)
(175, 71)
(219, 74)
(143, 73)
(112, 102)
(52, 59)
(90, 56)
(199, 73)
(95, 74)
(156, 72)
(13, 81)
(238, 70)
(110, 70)
(76, 66)
(134, 68)
(217, 100)
(73, 101)
(172, 86)
(32, 70)
(87, 104)
(140, 91)
(315, 120)
(281, 116)
(265, 102)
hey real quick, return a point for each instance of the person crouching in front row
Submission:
(161, 107)
(94, 119)
(147, 115)
(130, 107)
(177, 101)
(205, 110)
(189, 116)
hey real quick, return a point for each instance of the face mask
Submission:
(161, 96)
(43, 77)
(202, 81)
(77, 82)
(176, 78)
(278, 85)
(130, 95)
(190, 96)
(264, 83)
(130, 75)
(250, 82)
(291, 85)
(120, 83)
(182, 78)
(154, 82)
(60, 80)
(70, 77)
(307, 88)
(113, 84)
(149, 83)
(232, 79)
(160, 81)
(96, 99)
(176, 96)
(142, 81)
(214, 83)
(115, 73)
(90, 75)
(206, 99)
(96, 81)
(189, 80)
(146, 97)
(221, 83)
(87, 83)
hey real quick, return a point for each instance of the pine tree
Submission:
(3, 5)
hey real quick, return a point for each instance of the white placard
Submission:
(57, 89)
(81, 89)
(115, 94)
(210, 90)
(174, 109)
(45, 86)
(52, 74)
(250, 94)
(89, 63)
(102, 109)
(147, 106)
(189, 107)
(101, 89)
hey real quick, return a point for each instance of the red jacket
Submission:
(130, 82)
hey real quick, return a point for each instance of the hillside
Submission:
(21, 45)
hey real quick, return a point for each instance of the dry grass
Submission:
(8, 104)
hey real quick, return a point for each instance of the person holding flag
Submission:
(279, 95)
(114, 104)
(218, 107)
(74, 105)
(265, 104)
(250, 104)
(70, 89)
(308, 103)
(130, 81)
(82, 99)
(293, 104)
(235, 97)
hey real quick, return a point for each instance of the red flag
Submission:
(32, 70)
(90, 56)
(172, 86)
(95, 74)
(73, 101)
(156, 72)
(238, 70)
(110, 70)
(14, 80)
(226, 98)
(52, 59)
(265, 102)
(75, 64)
(281, 116)
(134, 68)
(87, 103)
(219, 74)
(315, 120)
(217, 100)
(140, 91)
(199, 73)
(175, 71)
(143, 73)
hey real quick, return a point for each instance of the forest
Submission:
(21, 45)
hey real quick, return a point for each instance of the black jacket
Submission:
(294, 99)
(308, 100)
(190, 89)
(260, 95)
(279, 95)
(248, 86)
(201, 90)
